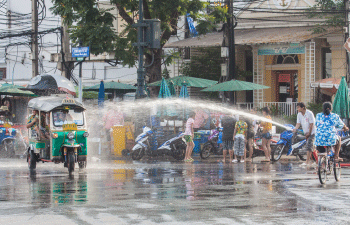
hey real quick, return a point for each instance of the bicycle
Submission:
(327, 164)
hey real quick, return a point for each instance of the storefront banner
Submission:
(284, 78)
(281, 50)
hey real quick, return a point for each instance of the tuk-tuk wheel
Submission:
(31, 161)
(71, 161)
(82, 165)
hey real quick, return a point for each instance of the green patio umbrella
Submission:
(235, 85)
(16, 92)
(7, 85)
(191, 82)
(164, 91)
(171, 88)
(341, 101)
(113, 87)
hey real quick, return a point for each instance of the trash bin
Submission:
(119, 142)
(197, 142)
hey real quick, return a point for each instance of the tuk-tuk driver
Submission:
(63, 117)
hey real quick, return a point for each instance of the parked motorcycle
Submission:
(290, 143)
(257, 146)
(213, 145)
(344, 151)
(176, 147)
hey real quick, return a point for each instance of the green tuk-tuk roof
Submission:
(49, 103)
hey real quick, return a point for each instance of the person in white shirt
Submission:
(306, 119)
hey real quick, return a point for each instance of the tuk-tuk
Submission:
(61, 133)
(7, 133)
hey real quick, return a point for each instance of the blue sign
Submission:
(80, 52)
(281, 50)
(193, 30)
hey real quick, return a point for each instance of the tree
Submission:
(93, 26)
(333, 13)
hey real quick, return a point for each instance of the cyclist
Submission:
(326, 133)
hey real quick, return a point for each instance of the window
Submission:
(287, 59)
(187, 53)
(2, 73)
(61, 117)
(326, 63)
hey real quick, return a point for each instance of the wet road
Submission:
(161, 192)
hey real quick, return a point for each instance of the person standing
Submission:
(239, 139)
(188, 136)
(266, 134)
(250, 135)
(306, 119)
(228, 125)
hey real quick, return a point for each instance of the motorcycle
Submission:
(176, 147)
(344, 151)
(290, 143)
(257, 146)
(213, 145)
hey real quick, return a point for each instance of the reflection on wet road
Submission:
(159, 192)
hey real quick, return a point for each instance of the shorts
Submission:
(239, 146)
(227, 144)
(266, 135)
(310, 143)
(188, 138)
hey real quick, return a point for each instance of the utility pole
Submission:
(141, 92)
(35, 38)
(231, 23)
(347, 19)
(66, 60)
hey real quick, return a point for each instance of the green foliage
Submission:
(165, 73)
(208, 60)
(93, 26)
(89, 25)
(331, 11)
(314, 107)
(208, 22)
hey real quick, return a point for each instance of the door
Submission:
(286, 90)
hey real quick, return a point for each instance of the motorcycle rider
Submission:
(306, 119)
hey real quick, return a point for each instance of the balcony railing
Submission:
(281, 108)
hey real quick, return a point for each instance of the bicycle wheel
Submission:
(322, 169)
(337, 170)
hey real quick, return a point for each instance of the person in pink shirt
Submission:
(188, 136)
(111, 118)
(201, 118)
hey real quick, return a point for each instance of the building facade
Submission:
(276, 42)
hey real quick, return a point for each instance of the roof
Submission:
(49, 103)
(253, 36)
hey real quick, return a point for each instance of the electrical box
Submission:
(152, 33)
(224, 52)
(224, 69)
